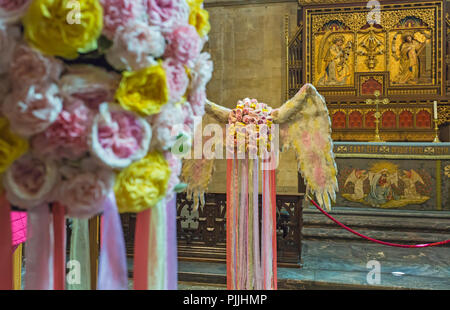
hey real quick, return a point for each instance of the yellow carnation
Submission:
(11, 145)
(142, 184)
(199, 17)
(63, 27)
(144, 91)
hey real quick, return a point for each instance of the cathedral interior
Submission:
(398, 65)
(383, 68)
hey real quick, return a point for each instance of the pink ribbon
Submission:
(113, 274)
(6, 252)
(59, 228)
(39, 250)
(141, 244)
(172, 259)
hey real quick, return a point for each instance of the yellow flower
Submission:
(199, 17)
(11, 145)
(63, 27)
(143, 184)
(144, 91)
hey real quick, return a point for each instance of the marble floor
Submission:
(341, 265)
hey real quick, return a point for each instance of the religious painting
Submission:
(411, 58)
(334, 56)
(371, 49)
(393, 184)
(385, 185)
(405, 46)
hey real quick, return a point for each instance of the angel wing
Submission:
(352, 178)
(415, 177)
(197, 172)
(307, 124)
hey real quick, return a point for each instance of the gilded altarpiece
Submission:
(349, 56)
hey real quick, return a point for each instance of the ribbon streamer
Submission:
(6, 250)
(251, 261)
(79, 256)
(39, 249)
(152, 256)
(157, 247)
(113, 274)
(172, 258)
(141, 244)
(59, 228)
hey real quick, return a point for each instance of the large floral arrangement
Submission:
(94, 94)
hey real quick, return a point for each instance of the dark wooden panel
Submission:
(202, 233)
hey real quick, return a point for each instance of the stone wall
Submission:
(247, 44)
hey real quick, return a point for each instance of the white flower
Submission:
(135, 46)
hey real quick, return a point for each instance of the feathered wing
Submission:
(306, 126)
(198, 170)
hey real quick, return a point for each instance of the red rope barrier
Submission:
(372, 239)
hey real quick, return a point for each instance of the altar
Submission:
(404, 176)
(396, 192)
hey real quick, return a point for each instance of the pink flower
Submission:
(30, 181)
(32, 110)
(135, 46)
(177, 79)
(118, 13)
(184, 45)
(197, 100)
(167, 125)
(12, 10)
(119, 137)
(92, 85)
(29, 67)
(167, 14)
(175, 170)
(189, 118)
(83, 193)
(8, 38)
(67, 136)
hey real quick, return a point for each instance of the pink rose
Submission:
(8, 38)
(67, 136)
(118, 13)
(119, 137)
(29, 67)
(177, 79)
(167, 14)
(92, 85)
(12, 10)
(83, 193)
(32, 110)
(135, 46)
(184, 45)
(30, 181)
